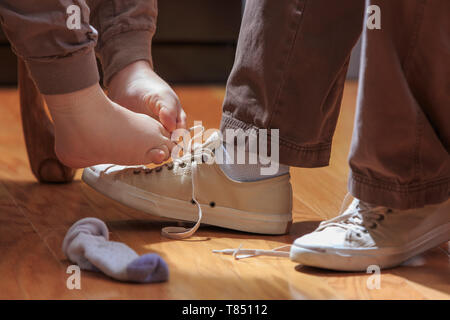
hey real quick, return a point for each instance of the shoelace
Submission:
(196, 152)
(357, 219)
(240, 253)
(347, 220)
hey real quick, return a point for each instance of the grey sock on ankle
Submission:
(247, 172)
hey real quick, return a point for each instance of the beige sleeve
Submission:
(60, 59)
(126, 29)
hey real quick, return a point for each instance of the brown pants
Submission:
(62, 60)
(289, 74)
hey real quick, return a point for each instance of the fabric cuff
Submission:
(65, 75)
(123, 49)
(295, 155)
(402, 197)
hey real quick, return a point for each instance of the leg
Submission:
(400, 166)
(126, 29)
(289, 73)
(400, 150)
(39, 133)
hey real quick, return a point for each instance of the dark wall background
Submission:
(195, 40)
(8, 63)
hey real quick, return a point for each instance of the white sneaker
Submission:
(367, 235)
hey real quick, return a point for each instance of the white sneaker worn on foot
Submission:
(367, 235)
(191, 189)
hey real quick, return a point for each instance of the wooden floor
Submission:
(34, 219)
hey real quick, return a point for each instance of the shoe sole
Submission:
(253, 222)
(360, 259)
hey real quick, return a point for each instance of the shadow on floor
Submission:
(430, 269)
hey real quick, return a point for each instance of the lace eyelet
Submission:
(170, 166)
(212, 204)
(182, 165)
(158, 169)
(148, 170)
(192, 201)
(358, 235)
(380, 218)
(373, 226)
(136, 171)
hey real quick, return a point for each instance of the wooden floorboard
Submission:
(35, 217)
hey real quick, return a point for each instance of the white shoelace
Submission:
(195, 153)
(358, 219)
(240, 253)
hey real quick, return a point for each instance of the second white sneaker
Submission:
(367, 235)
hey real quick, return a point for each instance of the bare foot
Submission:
(138, 88)
(90, 129)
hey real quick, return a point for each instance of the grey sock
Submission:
(87, 244)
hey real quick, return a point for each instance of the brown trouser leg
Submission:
(289, 74)
(401, 140)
